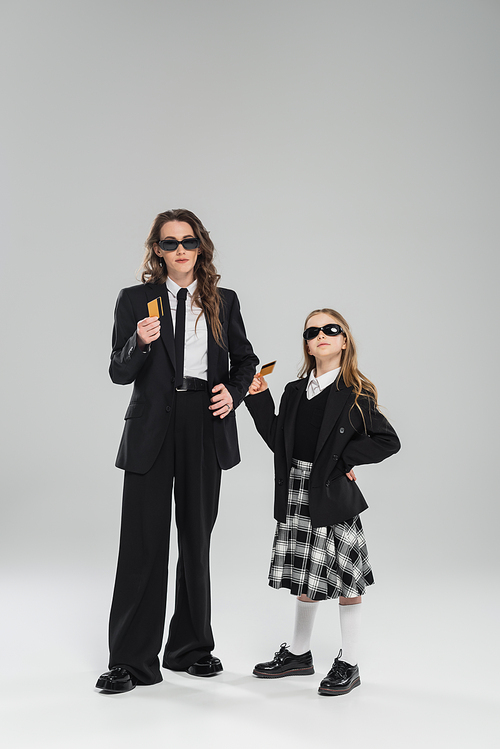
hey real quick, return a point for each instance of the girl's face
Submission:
(326, 349)
(180, 262)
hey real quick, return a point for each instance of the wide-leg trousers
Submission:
(188, 462)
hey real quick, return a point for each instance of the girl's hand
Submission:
(351, 475)
(258, 385)
(148, 330)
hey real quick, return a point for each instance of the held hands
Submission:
(222, 402)
(258, 385)
(148, 330)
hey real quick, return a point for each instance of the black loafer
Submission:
(285, 663)
(209, 665)
(116, 680)
(341, 678)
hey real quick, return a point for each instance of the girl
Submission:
(328, 422)
(191, 364)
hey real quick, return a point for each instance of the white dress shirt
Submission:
(316, 384)
(196, 340)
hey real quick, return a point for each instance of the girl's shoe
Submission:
(285, 663)
(341, 678)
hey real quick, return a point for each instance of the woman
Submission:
(328, 422)
(180, 425)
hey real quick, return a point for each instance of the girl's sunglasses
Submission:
(331, 329)
(169, 245)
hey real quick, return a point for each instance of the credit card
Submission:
(155, 308)
(267, 369)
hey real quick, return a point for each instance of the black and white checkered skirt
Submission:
(323, 562)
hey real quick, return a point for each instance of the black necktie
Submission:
(180, 326)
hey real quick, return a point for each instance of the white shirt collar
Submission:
(316, 384)
(174, 288)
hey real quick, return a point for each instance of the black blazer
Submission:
(342, 444)
(153, 375)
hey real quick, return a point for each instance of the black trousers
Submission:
(187, 461)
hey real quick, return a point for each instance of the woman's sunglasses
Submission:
(331, 329)
(170, 245)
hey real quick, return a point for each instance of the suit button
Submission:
(168, 409)
(280, 482)
(341, 430)
(327, 484)
(335, 457)
(172, 379)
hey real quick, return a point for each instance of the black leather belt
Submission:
(192, 383)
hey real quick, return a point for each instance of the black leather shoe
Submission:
(209, 665)
(341, 678)
(285, 663)
(116, 680)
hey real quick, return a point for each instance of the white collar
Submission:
(174, 288)
(316, 384)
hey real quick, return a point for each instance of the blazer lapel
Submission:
(167, 328)
(337, 399)
(291, 416)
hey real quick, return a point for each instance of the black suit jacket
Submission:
(342, 444)
(153, 375)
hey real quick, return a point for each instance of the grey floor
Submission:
(429, 671)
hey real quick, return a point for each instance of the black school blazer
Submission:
(342, 444)
(153, 375)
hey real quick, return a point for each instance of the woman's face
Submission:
(180, 262)
(326, 349)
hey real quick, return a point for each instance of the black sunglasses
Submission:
(169, 245)
(331, 329)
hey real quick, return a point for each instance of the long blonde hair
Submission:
(361, 385)
(206, 295)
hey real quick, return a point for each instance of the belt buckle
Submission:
(182, 389)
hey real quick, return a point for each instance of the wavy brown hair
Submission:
(361, 385)
(207, 295)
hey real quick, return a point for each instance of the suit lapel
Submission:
(297, 394)
(167, 328)
(334, 405)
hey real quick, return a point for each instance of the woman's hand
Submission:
(148, 330)
(222, 403)
(351, 475)
(258, 385)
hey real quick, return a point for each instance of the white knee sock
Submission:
(350, 621)
(305, 613)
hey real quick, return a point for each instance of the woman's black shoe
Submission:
(341, 678)
(285, 663)
(116, 680)
(209, 665)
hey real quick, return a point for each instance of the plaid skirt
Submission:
(323, 562)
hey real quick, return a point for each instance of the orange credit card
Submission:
(155, 308)
(267, 369)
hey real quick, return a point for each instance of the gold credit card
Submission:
(155, 308)
(267, 369)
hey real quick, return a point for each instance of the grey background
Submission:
(342, 154)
